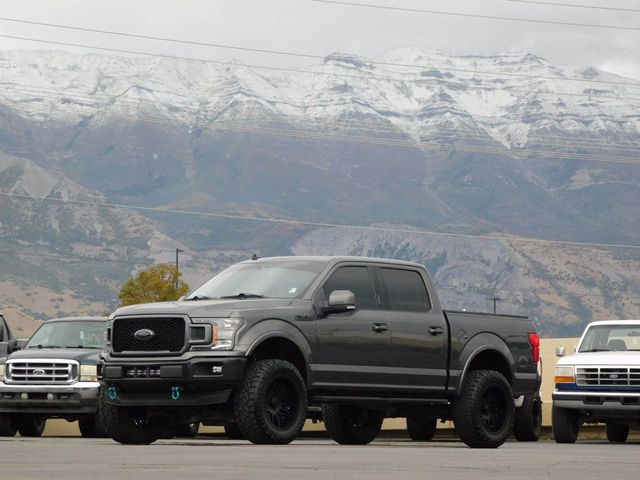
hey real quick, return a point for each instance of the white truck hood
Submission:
(628, 358)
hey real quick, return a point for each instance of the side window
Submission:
(355, 279)
(405, 290)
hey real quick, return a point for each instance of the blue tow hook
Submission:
(175, 392)
(112, 391)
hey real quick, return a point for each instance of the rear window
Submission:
(405, 290)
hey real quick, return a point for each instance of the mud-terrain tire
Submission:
(8, 426)
(617, 433)
(232, 431)
(565, 425)
(483, 413)
(421, 427)
(187, 430)
(270, 406)
(29, 426)
(351, 425)
(91, 426)
(129, 425)
(527, 424)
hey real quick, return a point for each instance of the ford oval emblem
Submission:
(38, 371)
(144, 334)
(613, 376)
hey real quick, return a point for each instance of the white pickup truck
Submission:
(600, 383)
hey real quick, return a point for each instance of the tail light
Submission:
(534, 340)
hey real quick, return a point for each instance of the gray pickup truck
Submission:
(364, 338)
(54, 376)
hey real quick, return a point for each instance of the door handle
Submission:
(435, 331)
(379, 327)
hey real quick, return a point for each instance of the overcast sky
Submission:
(319, 28)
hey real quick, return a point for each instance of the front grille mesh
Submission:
(42, 371)
(169, 335)
(608, 376)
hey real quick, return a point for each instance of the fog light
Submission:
(50, 396)
(24, 396)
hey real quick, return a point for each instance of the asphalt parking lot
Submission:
(393, 459)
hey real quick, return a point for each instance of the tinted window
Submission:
(405, 290)
(355, 279)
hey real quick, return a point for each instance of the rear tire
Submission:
(565, 424)
(527, 424)
(232, 431)
(483, 413)
(271, 404)
(350, 425)
(129, 425)
(617, 432)
(8, 426)
(421, 427)
(29, 426)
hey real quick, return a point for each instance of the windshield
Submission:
(285, 279)
(72, 334)
(611, 338)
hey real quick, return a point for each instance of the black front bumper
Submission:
(197, 381)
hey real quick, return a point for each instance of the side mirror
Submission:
(340, 301)
(560, 352)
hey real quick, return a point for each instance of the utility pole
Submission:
(178, 250)
(495, 300)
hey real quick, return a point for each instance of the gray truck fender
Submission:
(480, 343)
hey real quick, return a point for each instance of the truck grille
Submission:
(608, 376)
(42, 371)
(168, 335)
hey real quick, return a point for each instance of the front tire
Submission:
(232, 431)
(617, 433)
(565, 424)
(91, 427)
(8, 426)
(527, 424)
(421, 427)
(129, 425)
(350, 425)
(188, 430)
(29, 426)
(483, 413)
(271, 404)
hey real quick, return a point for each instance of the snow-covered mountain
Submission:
(505, 143)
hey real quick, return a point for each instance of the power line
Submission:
(313, 135)
(480, 135)
(472, 15)
(331, 74)
(573, 5)
(505, 238)
(306, 55)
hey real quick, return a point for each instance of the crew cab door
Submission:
(418, 331)
(351, 347)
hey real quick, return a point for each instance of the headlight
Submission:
(224, 332)
(2, 367)
(88, 373)
(565, 375)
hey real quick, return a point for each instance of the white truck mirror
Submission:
(560, 352)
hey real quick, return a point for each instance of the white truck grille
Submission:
(36, 371)
(608, 376)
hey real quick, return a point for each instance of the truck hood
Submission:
(203, 308)
(82, 355)
(602, 358)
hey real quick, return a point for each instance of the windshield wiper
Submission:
(595, 350)
(242, 295)
(44, 346)
(199, 297)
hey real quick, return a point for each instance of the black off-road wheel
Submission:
(232, 431)
(29, 426)
(483, 413)
(188, 430)
(91, 426)
(8, 426)
(130, 425)
(351, 425)
(421, 427)
(527, 424)
(565, 425)
(617, 433)
(270, 406)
